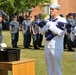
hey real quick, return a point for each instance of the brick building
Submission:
(67, 6)
(37, 10)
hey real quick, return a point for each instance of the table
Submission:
(21, 67)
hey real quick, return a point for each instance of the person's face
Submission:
(40, 17)
(0, 18)
(36, 19)
(75, 17)
(71, 17)
(15, 19)
(27, 18)
(53, 11)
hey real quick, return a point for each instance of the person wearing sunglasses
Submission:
(54, 41)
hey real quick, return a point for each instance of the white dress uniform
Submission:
(54, 47)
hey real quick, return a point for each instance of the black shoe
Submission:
(30, 45)
(36, 48)
(71, 50)
(65, 48)
(15, 47)
(27, 47)
(40, 46)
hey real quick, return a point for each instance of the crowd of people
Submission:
(71, 19)
(31, 29)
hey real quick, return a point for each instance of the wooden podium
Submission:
(21, 67)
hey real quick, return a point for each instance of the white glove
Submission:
(45, 28)
(56, 30)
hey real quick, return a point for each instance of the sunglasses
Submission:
(51, 9)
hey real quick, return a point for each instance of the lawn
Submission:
(68, 60)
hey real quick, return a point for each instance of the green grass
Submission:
(68, 61)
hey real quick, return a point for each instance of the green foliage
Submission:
(17, 6)
(44, 16)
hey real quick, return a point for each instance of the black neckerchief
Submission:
(53, 20)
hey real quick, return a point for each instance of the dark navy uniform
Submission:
(40, 35)
(35, 30)
(70, 21)
(1, 33)
(26, 28)
(14, 28)
(3, 18)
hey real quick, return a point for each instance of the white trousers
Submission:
(53, 61)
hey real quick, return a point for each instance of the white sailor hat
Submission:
(54, 6)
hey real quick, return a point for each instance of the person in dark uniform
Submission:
(65, 36)
(71, 21)
(26, 31)
(30, 32)
(1, 28)
(40, 35)
(75, 17)
(14, 30)
(2, 18)
(35, 31)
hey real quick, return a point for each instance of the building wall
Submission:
(67, 6)
(37, 10)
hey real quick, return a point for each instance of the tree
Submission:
(17, 6)
(14, 7)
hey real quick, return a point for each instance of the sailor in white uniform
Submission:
(54, 46)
